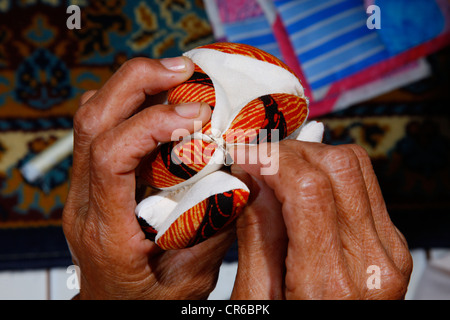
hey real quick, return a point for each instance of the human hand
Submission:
(113, 131)
(313, 229)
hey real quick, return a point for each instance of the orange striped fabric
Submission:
(281, 112)
(204, 219)
(155, 168)
(175, 162)
(183, 230)
(198, 88)
(248, 51)
(292, 108)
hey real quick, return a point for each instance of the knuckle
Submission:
(310, 185)
(392, 284)
(312, 181)
(86, 96)
(306, 182)
(396, 285)
(161, 120)
(406, 266)
(359, 151)
(158, 114)
(90, 237)
(83, 122)
(402, 258)
(78, 119)
(135, 66)
(339, 158)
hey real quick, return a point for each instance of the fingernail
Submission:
(177, 64)
(189, 110)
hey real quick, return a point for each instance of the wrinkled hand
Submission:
(113, 132)
(315, 227)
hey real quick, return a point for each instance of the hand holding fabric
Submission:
(114, 129)
(317, 228)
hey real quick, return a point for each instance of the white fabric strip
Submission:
(238, 80)
(311, 132)
(161, 213)
(162, 209)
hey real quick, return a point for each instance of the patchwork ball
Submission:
(254, 98)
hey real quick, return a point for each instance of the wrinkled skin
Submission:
(106, 241)
(313, 229)
(310, 231)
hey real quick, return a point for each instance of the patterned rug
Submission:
(407, 135)
(45, 67)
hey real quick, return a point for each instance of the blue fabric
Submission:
(335, 34)
(408, 23)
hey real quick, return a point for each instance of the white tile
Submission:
(23, 285)
(420, 262)
(439, 253)
(225, 283)
(58, 283)
(435, 281)
(63, 284)
(228, 271)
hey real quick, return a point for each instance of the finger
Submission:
(86, 96)
(127, 89)
(341, 281)
(391, 238)
(262, 243)
(193, 269)
(78, 187)
(349, 189)
(206, 257)
(354, 209)
(117, 153)
(118, 99)
(79, 157)
(314, 256)
(364, 238)
(351, 169)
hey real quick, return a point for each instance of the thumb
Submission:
(262, 242)
(242, 175)
(117, 153)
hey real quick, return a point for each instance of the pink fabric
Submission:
(238, 10)
(288, 52)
